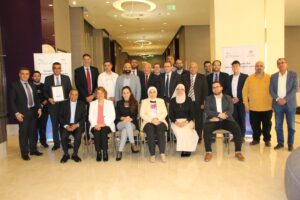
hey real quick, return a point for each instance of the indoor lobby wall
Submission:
(156, 59)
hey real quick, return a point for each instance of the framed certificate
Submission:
(58, 93)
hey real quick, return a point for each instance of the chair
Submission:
(226, 135)
(136, 134)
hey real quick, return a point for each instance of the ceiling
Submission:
(162, 23)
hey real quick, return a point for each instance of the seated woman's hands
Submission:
(155, 121)
(181, 123)
(126, 119)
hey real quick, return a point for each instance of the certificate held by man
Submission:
(58, 93)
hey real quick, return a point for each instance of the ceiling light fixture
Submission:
(108, 2)
(118, 4)
(143, 42)
(50, 5)
(74, 3)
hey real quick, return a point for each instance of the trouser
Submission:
(126, 132)
(239, 114)
(198, 117)
(101, 139)
(87, 122)
(261, 118)
(27, 132)
(54, 116)
(289, 113)
(42, 125)
(231, 126)
(65, 140)
(152, 131)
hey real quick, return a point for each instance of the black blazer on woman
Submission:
(122, 111)
(184, 110)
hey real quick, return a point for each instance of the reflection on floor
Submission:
(260, 177)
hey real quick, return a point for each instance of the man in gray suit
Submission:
(128, 79)
(219, 109)
(283, 89)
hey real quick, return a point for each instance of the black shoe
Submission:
(278, 146)
(25, 157)
(54, 148)
(36, 153)
(187, 154)
(290, 147)
(254, 142)
(70, 146)
(76, 158)
(268, 144)
(183, 154)
(105, 156)
(99, 156)
(119, 156)
(65, 158)
(44, 144)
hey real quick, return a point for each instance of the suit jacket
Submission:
(135, 87)
(210, 107)
(49, 82)
(152, 81)
(200, 87)
(81, 81)
(291, 88)
(18, 98)
(108, 113)
(184, 72)
(145, 111)
(241, 82)
(175, 80)
(65, 114)
(223, 79)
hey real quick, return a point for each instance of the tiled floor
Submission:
(260, 177)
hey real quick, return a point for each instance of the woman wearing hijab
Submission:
(153, 113)
(181, 116)
(126, 120)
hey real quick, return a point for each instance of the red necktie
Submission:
(88, 78)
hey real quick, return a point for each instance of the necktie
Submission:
(167, 87)
(88, 78)
(191, 91)
(57, 81)
(216, 77)
(29, 95)
(146, 82)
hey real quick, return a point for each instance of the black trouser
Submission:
(54, 115)
(42, 125)
(65, 140)
(27, 132)
(154, 132)
(261, 118)
(228, 125)
(239, 115)
(198, 117)
(101, 139)
(87, 122)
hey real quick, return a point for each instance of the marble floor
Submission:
(260, 177)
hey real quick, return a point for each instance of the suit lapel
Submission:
(21, 88)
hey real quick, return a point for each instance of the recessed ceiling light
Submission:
(87, 15)
(50, 5)
(165, 23)
(74, 3)
(108, 2)
(121, 25)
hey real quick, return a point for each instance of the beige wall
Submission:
(156, 59)
(62, 25)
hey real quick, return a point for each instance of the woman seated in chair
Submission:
(181, 116)
(101, 116)
(126, 120)
(153, 113)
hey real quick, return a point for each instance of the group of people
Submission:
(157, 101)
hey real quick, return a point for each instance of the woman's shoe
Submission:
(119, 156)
(152, 159)
(163, 157)
(134, 148)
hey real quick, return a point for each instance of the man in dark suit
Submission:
(168, 82)
(219, 76)
(135, 68)
(196, 88)
(86, 78)
(180, 68)
(71, 119)
(25, 105)
(237, 81)
(219, 109)
(147, 79)
(42, 121)
(56, 79)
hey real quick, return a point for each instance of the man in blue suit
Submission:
(283, 88)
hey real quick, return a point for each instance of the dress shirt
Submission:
(219, 103)
(108, 81)
(282, 85)
(234, 84)
(59, 80)
(73, 110)
(85, 71)
(24, 86)
(214, 76)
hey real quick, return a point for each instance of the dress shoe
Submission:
(187, 154)
(278, 146)
(76, 158)
(268, 144)
(54, 148)
(99, 156)
(119, 156)
(152, 159)
(134, 148)
(239, 156)
(70, 146)
(208, 157)
(290, 147)
(183, 154)
(105, 155)
(65, 158)
(163, 157)
(36, 153)
(45, 145)
(254, 142)
(25, 157)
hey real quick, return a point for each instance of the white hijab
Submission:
(179, 99)
(148, 91)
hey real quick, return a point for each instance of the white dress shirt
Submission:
(73, 110)
(170, 74)
(282, 85)
(108, 81)
(234, 84)
(219, 103)
(214, 77)
(55, 80)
